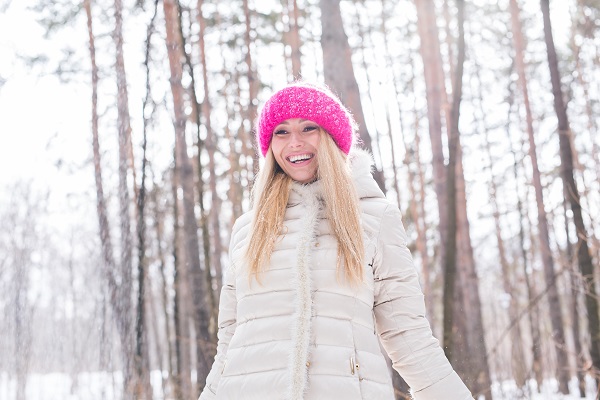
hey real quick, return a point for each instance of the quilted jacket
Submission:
(303, 333)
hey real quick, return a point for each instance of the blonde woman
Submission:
(320, 273)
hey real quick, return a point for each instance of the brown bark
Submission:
(143, 387)
(533, 314)
(449, 261)
(211, 147)
(118, 298)
(575, 284)
(235, 193)
(182, 389)
(468, 329)
(210, 296)
(572, 192)
(430, 53)
(520, 66)
(124, 130)
(158, 219)
(125, 264)
(366, 35)
(253, 85)
(339, 71)
(448, 39)
(544, 238)
(186, 180)
(470, 338)
(420, 222)
(592, 126)
(162, 332)
(108, 260)
(475, 367)
(294, 39)
(389, 64)
(421, 225)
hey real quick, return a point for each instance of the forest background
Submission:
(126, 152)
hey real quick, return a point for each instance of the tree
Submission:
(339, 71)
(186, 180)
(119, 298)
(572, 193)
(463, 329)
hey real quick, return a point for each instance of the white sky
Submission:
(41, 119)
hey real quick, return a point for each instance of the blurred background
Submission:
(127, 151)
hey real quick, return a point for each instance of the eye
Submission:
(310, 128)
(280, 132)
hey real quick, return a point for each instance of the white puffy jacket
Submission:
(301, 334)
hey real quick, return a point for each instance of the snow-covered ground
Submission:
(105, 386)
(549, 391)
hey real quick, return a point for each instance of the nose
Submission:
(295, 139)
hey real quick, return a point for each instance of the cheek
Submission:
(278, 160)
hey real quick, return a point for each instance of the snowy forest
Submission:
(482, 118)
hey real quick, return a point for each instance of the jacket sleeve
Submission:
(399, 309)
(227, 325)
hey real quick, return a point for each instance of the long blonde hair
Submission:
(270, 197)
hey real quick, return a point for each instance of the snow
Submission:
(106, 385)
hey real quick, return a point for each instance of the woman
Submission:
(320, 272)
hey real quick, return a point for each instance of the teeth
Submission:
(300, 157)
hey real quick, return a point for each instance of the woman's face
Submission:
(295, 145)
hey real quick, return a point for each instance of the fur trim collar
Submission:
(301, 280)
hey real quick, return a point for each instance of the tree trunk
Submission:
(143, 388)
(477, 373)
(182, 389)
(339, 71)
(430, 53)
(547, 260)
(119, 298)
(294, 40)
(366, 36)
(451, 233)
(516, 344)
(468, 325)
(186, 177)
(389, 64)
(421, 225)
(253, 84)
(210, 145)
(126, 247)
(566, 157)
(520, 66)
(583, 29)
(206, 351)
(167, 315)
(574, 284)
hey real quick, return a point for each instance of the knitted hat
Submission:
(306, 101)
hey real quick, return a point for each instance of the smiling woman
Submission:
(320, 273)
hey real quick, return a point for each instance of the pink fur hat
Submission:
(311, 102)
